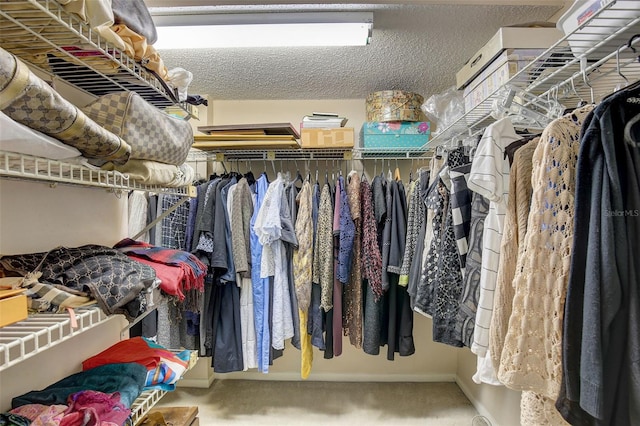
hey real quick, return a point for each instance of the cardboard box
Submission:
(342, 137)
(13, 306)
(499, 72)
(395, 134)
(506, 38)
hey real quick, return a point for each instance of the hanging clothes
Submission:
(400, 322)
(315, 326)
(435, 166)
(435, 204)
(413, 229)
(466, 318)
(490, 178)
(461, 198)
(352, 318)
(372, 273)
(323, 249)
(219, 256)
(261, 286)
(416, 263)
(291, 194)
(531, 357)
(601, 346)
(272, 234)
(447, 277)
(242, 205)
(335, 322)
(515, 229)
(303, 272)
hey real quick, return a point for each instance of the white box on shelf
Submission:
(506, 38)
(500, 71)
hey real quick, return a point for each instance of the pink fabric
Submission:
(41, 415)
(93, 408)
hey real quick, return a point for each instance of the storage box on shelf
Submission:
(342, 137)
(13, 306)
(500, 71)
(557, 69)
(394, 105)
(395, 135)
(583, 10)
(506, 38)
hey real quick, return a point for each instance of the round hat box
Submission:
(394, 105)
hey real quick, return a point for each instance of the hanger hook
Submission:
(630, 42)
(618, 66)
(586, 81)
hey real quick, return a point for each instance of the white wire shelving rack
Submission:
(60, 44)
(26, 338)
(26, 167)
(586, 64)
(320, 154)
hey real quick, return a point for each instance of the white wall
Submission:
(35, 217)
(499, 404)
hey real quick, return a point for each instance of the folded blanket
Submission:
(155, 173)
(127, 379)
(178, 270)
(164, 368)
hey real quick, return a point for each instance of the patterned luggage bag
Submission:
(152, 134)
(29, 100)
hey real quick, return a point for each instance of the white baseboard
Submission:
(195, 383)
(338, 377)
(482, 410)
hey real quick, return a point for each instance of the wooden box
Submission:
(176, 416)
(13, 306)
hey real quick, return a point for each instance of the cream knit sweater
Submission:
(531, 358)
(515, 228)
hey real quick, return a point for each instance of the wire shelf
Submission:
(144, 403)
(357, 153)
(584, 65)
(43, 34)
(26, 167)
(26, 338)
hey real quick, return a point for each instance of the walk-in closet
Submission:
(436, 222)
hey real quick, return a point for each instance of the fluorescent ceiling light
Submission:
(193, 31)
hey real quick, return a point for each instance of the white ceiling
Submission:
(417, 46)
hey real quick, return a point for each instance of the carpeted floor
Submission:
(249, 402)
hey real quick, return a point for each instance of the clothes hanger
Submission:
(525, 109)
(396, 173)
(619, 71)
(630, 44)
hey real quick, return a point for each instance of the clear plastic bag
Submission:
(444, 108)
(180, 79)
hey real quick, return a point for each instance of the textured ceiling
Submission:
(416, 48)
